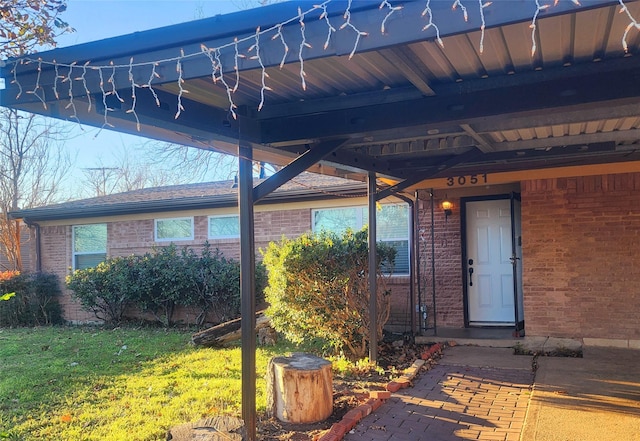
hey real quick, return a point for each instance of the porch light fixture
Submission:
(447, 207)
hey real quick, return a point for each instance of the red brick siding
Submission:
(128, 237)
(448, 262)
(581, 265)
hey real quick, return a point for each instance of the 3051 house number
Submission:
(467, 180)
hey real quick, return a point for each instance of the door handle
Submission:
(514, 259)
(470, 276)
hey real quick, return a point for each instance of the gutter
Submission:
(185, 203)
(35, 225)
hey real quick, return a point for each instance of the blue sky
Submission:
(99, 19)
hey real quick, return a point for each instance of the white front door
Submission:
(489, 264)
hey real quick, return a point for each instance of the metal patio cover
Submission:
(393, 104)
(403, 106)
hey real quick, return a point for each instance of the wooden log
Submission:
(225, 332)
(300, 388)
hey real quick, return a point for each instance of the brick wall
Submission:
(581, 259)
(448, 263)
(136, 236)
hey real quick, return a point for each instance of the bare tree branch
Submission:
(33, 165)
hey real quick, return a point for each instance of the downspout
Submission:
(38, 245)
(412, 262)
(416, 214)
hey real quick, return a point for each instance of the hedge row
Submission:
(160, 281)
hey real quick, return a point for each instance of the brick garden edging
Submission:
(377, 398)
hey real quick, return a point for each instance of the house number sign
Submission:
(463, 180)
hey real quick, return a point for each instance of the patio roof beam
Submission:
(606, 88)
(297, 166)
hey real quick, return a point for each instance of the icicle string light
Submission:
(37, 86)
(431, 24)
(458, 3)
(633, 23)
(275, 32)
(134, 97)
(83, 78)
(482, 5)
(303, 44)
(218, 66)
(181, 89)
(284, 45)
(71, 103)
(57, 77)
(347, 23)
(330, 29)
(392, 10)
(236, 68)
(149, 86)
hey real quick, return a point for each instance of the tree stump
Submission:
(220, 428)
(300, 388)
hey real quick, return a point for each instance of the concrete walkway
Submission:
(481, 393)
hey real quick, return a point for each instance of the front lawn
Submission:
(122, 384)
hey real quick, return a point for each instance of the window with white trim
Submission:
(175, 229)
(89, 245)
(392, 221)
(224, 227)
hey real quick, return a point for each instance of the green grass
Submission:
(113, 385)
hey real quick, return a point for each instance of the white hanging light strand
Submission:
(106, 109)
(71, 103)
(216, 58)
(482, 4)
(347, 23)
(430, 23)
(181, 89)
(392, 10)
(263, 70)
(633, 23)
(83, 78)
(236, 68)
(134, 97)
(534, 24)
(285, 46)
(330, 29)
(303, 44)
(37, 87)
(216, 62)
(55, 80)
(463, 8)
(149, 85)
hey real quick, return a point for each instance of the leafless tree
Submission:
(155, 164)
(33, 165)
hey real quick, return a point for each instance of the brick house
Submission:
(576, 252)
(79, 234)
(523, 116)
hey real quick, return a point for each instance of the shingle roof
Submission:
(307, 186)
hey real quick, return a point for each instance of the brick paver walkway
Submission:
(453, 403)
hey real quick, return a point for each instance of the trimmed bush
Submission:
(318, 289)
(109, 288)
(161, 281)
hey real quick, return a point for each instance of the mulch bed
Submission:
(349, 392)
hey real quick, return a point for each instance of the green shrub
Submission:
(34, 301)
(318, 289)
(161, 281)
(108, 288)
